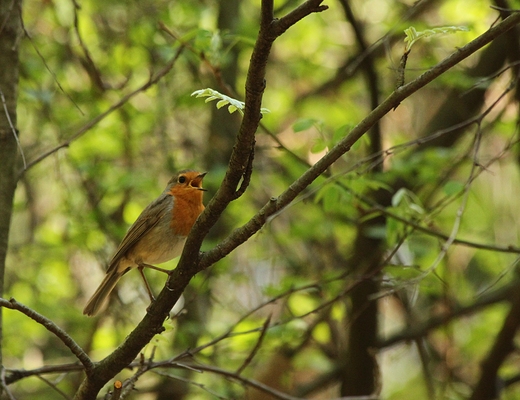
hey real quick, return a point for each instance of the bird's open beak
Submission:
(200, 177)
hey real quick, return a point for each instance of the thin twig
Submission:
(14, 375)
(191, 382)
(247, 381)
(48, 68)
(255, 349)
(431, 232)
(13, 129)
(54, 387)
(309, 7)
(51, 327)
(268, 390)
(3, 380)
(421, 329)
(473, 173)
(116, 393)
(509, 10)
(460, 211)
(91, 67)
(152, 81)
(129, 384)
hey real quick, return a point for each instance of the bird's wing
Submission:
(150, 216)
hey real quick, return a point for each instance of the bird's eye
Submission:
(182, 179)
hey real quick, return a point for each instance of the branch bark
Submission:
(10, 32)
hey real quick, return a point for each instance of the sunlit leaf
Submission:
(412, 35)
(398, 197)
(224, 100)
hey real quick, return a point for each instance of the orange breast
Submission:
(187, 207)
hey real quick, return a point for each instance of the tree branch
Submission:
(270, 29)
(53, 328)
(257, 346)
(419, 330)
(93, 122)
(307, 8)
(432, 232)
(487, 387)
(189, 262)
(276, 204)
(14, 375)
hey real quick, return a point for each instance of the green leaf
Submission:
(318, 146)
(224, 100)
(331, 197)
(222, 103)
(412, 35)
(304, 124)
(397, 198)
(374, 184)
(452, 187)
(417, 208)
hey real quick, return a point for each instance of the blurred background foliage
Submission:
(79, 58)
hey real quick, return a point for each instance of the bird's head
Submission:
(187, 184)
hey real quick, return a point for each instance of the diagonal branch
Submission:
(422, 329)
(51, 327)
(257, 346)
(276, 204)
(93, 122)
(188, 266)
(270, 29)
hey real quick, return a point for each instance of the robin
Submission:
(157, 236)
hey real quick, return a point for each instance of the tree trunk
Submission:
(10, 33)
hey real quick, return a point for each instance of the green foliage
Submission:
(233, 104)
(412, 35)
(73, 207)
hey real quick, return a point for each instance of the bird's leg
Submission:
(166, 271)
(140, 267)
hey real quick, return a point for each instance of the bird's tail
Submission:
(105, 288)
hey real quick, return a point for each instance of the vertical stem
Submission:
(10, 31)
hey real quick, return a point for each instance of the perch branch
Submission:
(276, 204)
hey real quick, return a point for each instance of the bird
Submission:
(158, 234)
